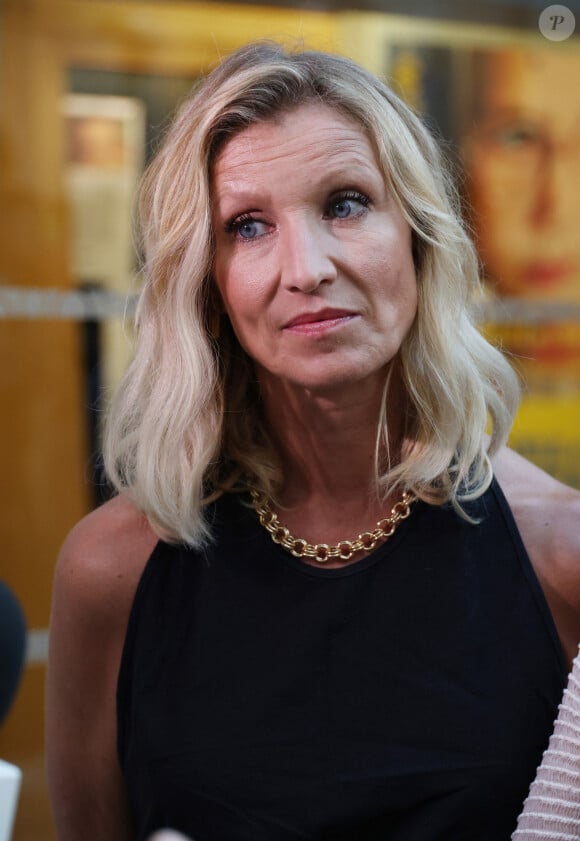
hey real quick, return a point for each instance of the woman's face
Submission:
(523, 166)
(313, 257)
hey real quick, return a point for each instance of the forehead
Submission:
(312, 134)
(537, 81)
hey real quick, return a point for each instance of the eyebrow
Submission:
(509, 112)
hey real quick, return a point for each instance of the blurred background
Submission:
(87, 88)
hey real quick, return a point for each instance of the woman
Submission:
(522, 156)
(522, 160)
(306, 357)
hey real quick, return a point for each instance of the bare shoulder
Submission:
(106, 552)
(544, 506)
(115, 526)
(97, 573)
(547, 514)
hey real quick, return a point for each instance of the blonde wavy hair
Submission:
(186, 424)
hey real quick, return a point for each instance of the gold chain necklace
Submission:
(322, 552)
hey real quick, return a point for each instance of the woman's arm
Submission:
(96, 577)
(547, 514)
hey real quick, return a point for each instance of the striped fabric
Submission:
(552, 809)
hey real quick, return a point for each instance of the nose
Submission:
(306, 256)
(555, 197)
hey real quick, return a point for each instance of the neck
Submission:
(328, 440)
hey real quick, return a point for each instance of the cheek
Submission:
(231, 288)
(487, 182)
(242, 281)
(245, 310)
(392, 273)
(497, 193)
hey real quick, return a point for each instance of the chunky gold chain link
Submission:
(322, 552)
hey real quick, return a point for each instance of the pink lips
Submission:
(313, 322)
(548, 273)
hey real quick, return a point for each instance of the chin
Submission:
(345, 377)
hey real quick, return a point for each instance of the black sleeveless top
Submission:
(406, 697)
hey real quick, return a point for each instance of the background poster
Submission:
(509, 120)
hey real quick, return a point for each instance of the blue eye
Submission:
(246, 227)
(342, 208)
(349, 204)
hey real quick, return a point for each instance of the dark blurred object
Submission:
(12, 647)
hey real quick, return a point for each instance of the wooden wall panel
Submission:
(45, 454)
